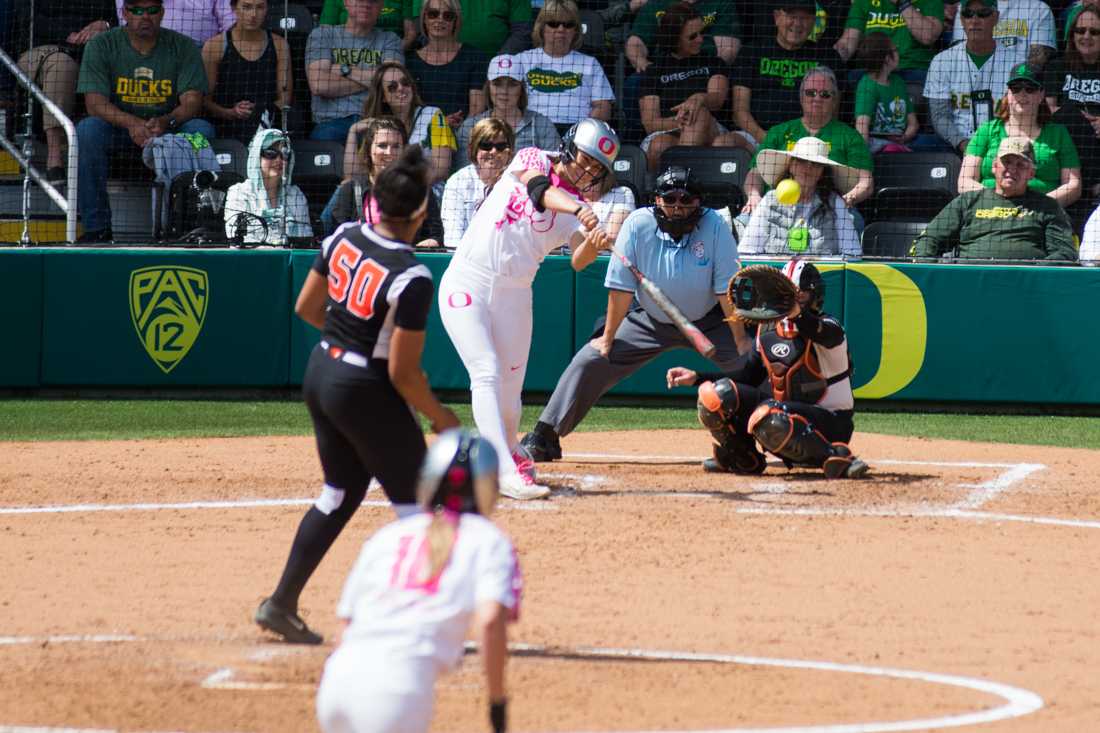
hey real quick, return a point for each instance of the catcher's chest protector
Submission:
(792, 364)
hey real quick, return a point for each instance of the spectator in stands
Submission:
(966, 81)
(507, 95)
(819, 104)
(1026, 23)
(769, 69)
(393, 92)
(139, 82)
(611, 203)
(450, 75)
(255, 209)
(248, 72)
(819, 223)
(495, 27)
(563, 83)
(491, 146)
(383, 140)
(683, 90)
(340, 64)
(1069, 14)
(61, 31)
(199, 20)
(721, 30)
(395, 17)
(1090, 241)
(913, 26)
(1024, 113)
(1008, 221)
(883, 105)
(1072, 88)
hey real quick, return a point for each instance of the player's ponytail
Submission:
(441, 538)
(402, 188)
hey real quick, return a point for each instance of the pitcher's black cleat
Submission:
(272, 617)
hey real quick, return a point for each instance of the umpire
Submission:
(689, 253)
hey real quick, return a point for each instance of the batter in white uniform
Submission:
(412, 594)
(485, 294)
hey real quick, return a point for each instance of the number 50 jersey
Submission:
(374, 285)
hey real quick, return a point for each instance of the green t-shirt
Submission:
(846, 146)
(868, 16)
(887, 105)
(144, 86)
(487, 23)
(719, 19)
(392, 18)
(1054, 150)
(986, 225)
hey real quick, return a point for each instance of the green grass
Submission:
(57, 419)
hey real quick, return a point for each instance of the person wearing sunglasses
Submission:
(506, 93)
(687, 251)
(683, 89)
(1023, 113)
(721, 34)
(383, 139)
(563, 83)
(846, 146)
(490, 147)
(966, 81)
(494, 27)
(248, 68)
(913, 25)
(393, 93)
(394, 17)
(139, 82)
(256, 206)
(199, 20)
(1072, 84)
(449, 74)
(1026, 23)
(341, 63)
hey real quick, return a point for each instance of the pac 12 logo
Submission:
(168, 308)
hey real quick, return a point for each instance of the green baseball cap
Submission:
(1023, 72)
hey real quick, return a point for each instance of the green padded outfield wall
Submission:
(156, 318)
(21, 306)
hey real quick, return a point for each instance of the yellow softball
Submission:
(788, 192)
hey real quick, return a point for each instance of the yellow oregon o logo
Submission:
(904, 330)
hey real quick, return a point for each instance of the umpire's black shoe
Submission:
(542, 443)
(275, 618)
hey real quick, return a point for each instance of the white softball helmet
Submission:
(593, 137)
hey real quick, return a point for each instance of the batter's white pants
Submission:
(488, 318)
(366, 691)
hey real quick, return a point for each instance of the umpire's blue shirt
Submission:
(690, 272)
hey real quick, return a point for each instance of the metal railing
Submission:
(67, 202)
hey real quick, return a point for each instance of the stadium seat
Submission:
(912, 186)
(720, 171)
(289, 18)
(592, 41)
(630, 171)
(294, 22)
(890, 238)
(232, 155)
(318, 170)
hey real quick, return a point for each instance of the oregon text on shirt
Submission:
(683, 75)
(355, 56)
(789, 70)
(1003, 212)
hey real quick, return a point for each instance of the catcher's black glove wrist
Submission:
(498, 715)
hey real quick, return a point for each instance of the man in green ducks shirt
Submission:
(1009, 222)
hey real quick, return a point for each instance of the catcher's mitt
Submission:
(761, 294)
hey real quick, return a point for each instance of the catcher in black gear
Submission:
(802, 410)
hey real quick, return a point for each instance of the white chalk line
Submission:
(1017, 701)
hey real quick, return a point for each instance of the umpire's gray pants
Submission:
(639, 340)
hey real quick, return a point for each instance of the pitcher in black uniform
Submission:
(802, 410)
(370, 298)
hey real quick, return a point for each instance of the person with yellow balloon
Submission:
(804, 212)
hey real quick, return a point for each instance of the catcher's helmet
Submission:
(808, 278)
(459, 473)
(594, 137)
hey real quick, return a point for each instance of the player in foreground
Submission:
(807, 418)
(370, 298)
(412, 594)
(485, 294)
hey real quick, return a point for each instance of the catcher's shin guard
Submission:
(733, 452)
(791, 437)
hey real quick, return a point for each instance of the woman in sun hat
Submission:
(819, 223)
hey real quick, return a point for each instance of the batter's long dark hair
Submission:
(402, 186)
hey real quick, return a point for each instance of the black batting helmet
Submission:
(459, 473)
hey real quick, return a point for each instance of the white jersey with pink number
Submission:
(508, 235)
(395, 610)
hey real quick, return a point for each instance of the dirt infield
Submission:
(956, 586)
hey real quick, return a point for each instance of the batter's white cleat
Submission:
(518, 487)
(525, 464)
